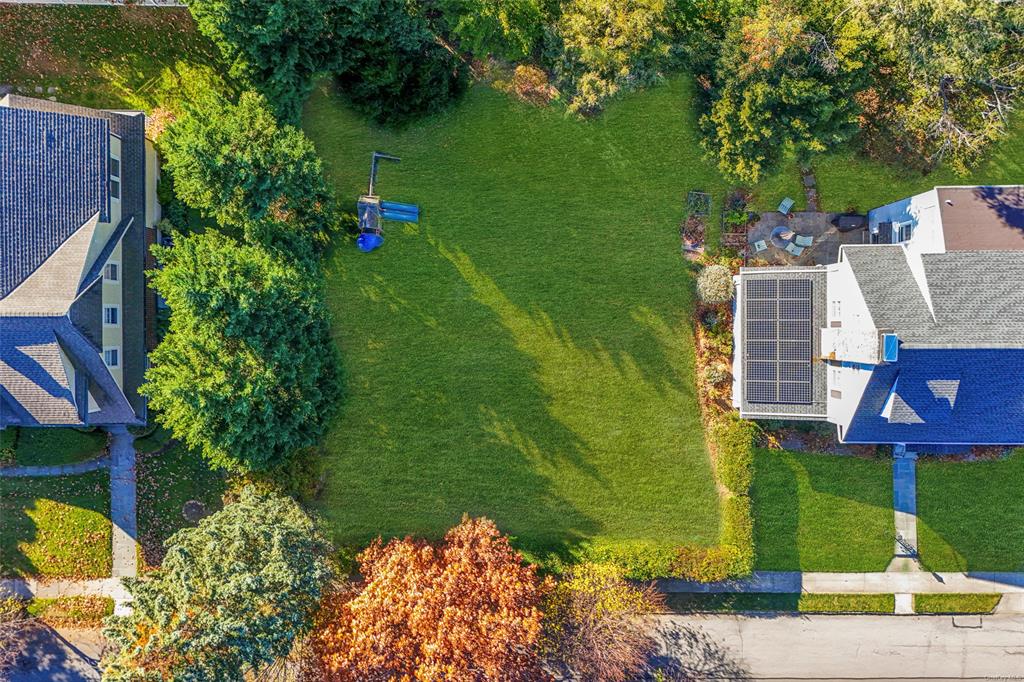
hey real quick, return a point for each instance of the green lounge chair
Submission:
(760, 245)
(794, 249)
(803, 241)
(786, 206)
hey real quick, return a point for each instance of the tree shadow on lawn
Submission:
(821, 512)
(519, 423)
(971, 514)
(55, 527)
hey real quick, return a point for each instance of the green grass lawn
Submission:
(525, 351)
(971, 514)
(108, 57)
(955, 603)
(166, 481)
(803, 603)
(821, 512)
(40, 447)
(55, 527)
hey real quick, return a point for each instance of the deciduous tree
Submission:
(783, 81)
(230, 596)
(609, 46)
(950, 75)
(465, 610)
(506, 28)
(593, 624)
(247, 372)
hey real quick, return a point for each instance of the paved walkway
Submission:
(842, 647)
(57, 469)
(58, 655)
(124, 525)
(920, 582)
(122, 503)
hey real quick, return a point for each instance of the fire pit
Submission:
(781, 236)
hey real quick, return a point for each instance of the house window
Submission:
(115, 189)
(111, 356)
(836, 377)
(115, 168)
(111, 315)
(111, 272)
(836, 310)
(904, 231)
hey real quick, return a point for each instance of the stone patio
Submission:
(816, 224)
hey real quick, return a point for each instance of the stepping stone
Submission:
(39, 89)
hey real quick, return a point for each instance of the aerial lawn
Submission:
(109, 57)
(55, 527)
(821, 512)
(525, 351)
(168, 477)
(42, 447)
(971, 514)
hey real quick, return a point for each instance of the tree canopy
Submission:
(274, 46)
(231, 595)
(608, 45)
(948, 78)
(507, 28)
(247, 372)
(784, 82)
(235, 163)
(465, 610)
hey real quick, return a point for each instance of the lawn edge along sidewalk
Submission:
(923, 582)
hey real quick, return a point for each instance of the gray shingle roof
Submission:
(63, 159)
(976, 296)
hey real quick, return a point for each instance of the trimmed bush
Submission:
(639, 560)
(715, 285)
(733, 441)
(738, 533)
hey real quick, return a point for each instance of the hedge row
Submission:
(732, 440)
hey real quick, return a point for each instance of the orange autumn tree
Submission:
(467, 609)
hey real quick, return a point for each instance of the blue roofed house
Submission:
(916, 338)
(77, 206)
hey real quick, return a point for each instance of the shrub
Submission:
(716, 374)
(732, 439)
(593, 626)
(738, 533)
(703, 564)
(715, 285)
(531, 84)
(639, 560)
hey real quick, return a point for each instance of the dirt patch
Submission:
(177, 20)
(42, 59)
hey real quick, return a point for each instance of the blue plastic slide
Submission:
(368, 241)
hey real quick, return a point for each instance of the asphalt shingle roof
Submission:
(53, 179)
(973, 396)
(976, 296)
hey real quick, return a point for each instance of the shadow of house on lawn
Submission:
(971, 514)
(821, 512)
(57, 526)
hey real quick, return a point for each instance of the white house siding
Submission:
(922, 210)
(854, 344)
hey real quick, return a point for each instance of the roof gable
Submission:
(53, 179)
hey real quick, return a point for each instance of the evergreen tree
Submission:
(235, 163)
(247, 372)
(275, 46)
(231, 596)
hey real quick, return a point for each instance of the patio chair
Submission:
(794, 249)
(760, 245)
(786, 206)
(803, 241)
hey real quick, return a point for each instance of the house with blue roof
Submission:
(914, 338)
(77, 211)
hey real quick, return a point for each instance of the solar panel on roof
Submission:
(778, 341)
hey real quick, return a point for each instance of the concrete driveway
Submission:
(842, 647)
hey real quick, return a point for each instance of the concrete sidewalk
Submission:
(841, 647)
(922, 582)
(28, 588)
(56, 469)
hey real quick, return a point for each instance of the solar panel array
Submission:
(777, 341)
